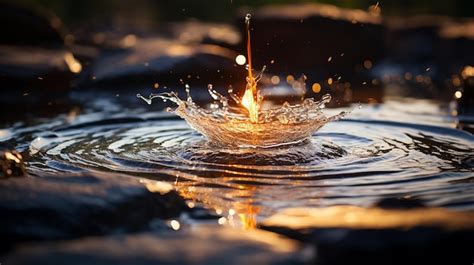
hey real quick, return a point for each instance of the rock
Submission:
(198, 245)
(304, 36)
(68, 206)
(11, 164)
(35, 67)
(456, 42)
(413, 39)
(168, 63)
(441, 44)
(343, 234)
(200, 32)
(35, 80)
(321, 41)
(21, 26)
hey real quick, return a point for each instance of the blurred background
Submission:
(76, 13)
(59, 56)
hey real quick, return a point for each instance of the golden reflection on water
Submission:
(346, 216)
(231, 203)
(248, 215)
(238, 204)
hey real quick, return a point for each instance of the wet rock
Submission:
(32, 76)
(304, 36)
(343, 234)
(68, 206)
(35, 80)
(199, 32)
(457, 40)
(33, 67)
(106, 39)
(413, 39)
(11, 164)
(199, 245)
(37, 67)
(442, 44)
(166, 63)
(22, 26)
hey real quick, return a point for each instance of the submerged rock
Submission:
(199, 245)
(58, 207)
(343, 234)
(11, 164)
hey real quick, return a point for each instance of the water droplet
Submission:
(275, 80)
(290, 79)
(240, 59)
(316, 87)
(367, 64)
(247, 18)
(222, 220)
(175, 225)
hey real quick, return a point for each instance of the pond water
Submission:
(376, 152)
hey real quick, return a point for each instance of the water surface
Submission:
(370, 155)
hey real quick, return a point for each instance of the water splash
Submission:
(249, 125)
(231, 126)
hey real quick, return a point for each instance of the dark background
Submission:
(73, 12)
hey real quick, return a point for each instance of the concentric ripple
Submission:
(347, 162)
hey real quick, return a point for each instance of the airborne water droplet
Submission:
(247, 18)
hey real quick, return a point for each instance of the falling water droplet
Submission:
(247, 18)
(240, 59)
